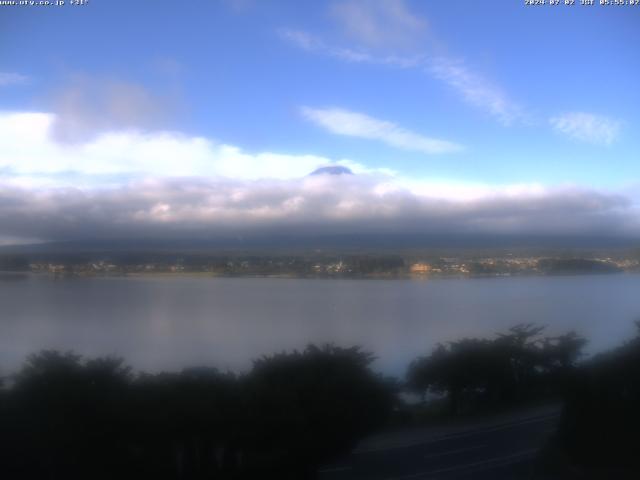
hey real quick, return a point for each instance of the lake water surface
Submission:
(171, 322)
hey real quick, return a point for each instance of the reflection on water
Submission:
(13, 276)
(168, 323)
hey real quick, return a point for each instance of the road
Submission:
(502, 447)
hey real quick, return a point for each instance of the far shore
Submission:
(383, 276)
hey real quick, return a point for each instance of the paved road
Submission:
(502, 448)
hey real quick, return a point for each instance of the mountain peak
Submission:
(332, 170)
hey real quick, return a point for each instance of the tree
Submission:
(514, 366)
(601, 419)
(65, 415)
(310, 406)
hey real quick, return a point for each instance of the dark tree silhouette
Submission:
(65, 418)
(185, 425)
(516, 366)
(313, 405)
(601, 420)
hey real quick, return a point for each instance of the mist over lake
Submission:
(167, 323)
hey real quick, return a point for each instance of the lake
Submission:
(161, 323)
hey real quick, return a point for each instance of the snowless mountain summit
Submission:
(332, 170)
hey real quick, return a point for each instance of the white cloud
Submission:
(127, 184)
(313, 44)
(379, 23)
(475, 89)
(29, 152)
(384, 26)
(89, 105)
(587, 127)
(354, 124)
(12, 78)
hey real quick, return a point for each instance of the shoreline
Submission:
(306, 277)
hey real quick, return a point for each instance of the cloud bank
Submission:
(127, 184)
(319, 205)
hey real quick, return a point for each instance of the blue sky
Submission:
(463, 100)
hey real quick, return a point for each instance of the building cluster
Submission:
(511, 265)
(348, 265)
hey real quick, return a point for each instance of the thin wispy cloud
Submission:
(475, 89)
(13, 78)
(587, 127)
(378, 23)
(472, 87)
(88, 105)
(354, 124)
(313, 44)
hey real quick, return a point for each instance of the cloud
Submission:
(12, 78)
(354, 124)
(321, 205)
(587, 127)
(475, 89)
(167, 66)
(128, 184)
(30, 154)
(89, 105)
(379, 23)
(314, 44)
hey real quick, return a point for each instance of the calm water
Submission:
(169, 323)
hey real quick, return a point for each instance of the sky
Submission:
(196, 119)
